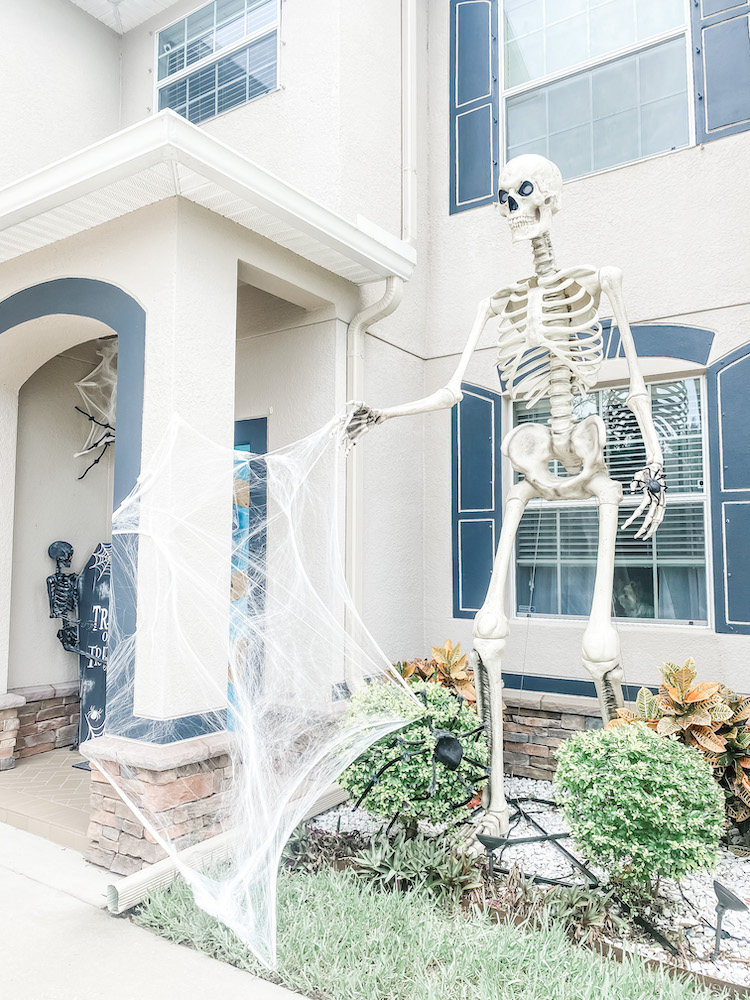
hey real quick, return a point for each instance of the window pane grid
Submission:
(631, 107)
(210, 29)
(542, 37)
(230, 81)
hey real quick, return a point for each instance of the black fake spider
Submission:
(447, 750)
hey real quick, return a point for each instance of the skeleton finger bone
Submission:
(653, 486)
(360, 419)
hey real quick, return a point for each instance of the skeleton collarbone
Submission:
(550, 345)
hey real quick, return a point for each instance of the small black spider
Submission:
(447, 750)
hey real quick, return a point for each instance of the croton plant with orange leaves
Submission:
(448, 667)
(708, 716)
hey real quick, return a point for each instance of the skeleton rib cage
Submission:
(549, 330)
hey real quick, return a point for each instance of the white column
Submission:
(181, 655)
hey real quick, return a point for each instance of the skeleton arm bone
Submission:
(363, 417)
(651, 479)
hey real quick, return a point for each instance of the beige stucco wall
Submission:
(685, 260)
(60, 74)
(51, 504)
(185, 277)
(332, 129)
(682, 249)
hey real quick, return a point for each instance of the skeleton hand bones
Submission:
(651, 482)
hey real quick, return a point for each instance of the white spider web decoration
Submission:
(242, 605)
(98, 392)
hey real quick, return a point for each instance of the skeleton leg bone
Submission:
(601, 643)
(490, 633)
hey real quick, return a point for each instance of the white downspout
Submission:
(355, 384)
(355, 371)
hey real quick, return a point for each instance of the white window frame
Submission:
(215, 57)
(640, 46)
(703, 498)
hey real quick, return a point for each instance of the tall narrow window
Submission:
(220, 56)
(661, 579)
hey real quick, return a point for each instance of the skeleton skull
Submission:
(530, 194)
(61, 552)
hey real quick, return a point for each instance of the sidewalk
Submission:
(57, 943)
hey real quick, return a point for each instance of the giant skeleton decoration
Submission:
(550, 345)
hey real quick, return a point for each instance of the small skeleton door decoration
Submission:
(62, 593)
(550, 346)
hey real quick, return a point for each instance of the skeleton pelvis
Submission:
(531, 447)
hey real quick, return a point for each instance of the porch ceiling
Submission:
(122, 15)
(165, 156)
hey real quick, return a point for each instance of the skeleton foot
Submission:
(494, 823)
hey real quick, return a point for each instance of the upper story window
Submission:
(594, 84)
(591, 84)
(220, 56)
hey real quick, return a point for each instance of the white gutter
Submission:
(168, 141)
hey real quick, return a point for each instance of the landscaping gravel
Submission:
(694, 900)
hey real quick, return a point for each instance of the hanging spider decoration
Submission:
(98, 392)
(447, 750)
(103, 441)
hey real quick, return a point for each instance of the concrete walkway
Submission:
(58, 943)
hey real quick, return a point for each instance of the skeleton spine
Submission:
(560, 375)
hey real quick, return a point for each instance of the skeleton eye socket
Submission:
(502, 197)
(526, 189)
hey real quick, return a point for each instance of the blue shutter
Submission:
(477, 496)
(728, 382)
(721, 56)
(473, 103)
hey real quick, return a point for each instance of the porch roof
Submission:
(165, 156)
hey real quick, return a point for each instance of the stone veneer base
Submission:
(35, 719)
(181, 787)
(535, 723)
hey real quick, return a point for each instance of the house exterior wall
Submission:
(65, 68)
(336, 60)
(685, 261)
(333, 129)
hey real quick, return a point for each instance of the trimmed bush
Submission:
(399, 788)
(639, 805)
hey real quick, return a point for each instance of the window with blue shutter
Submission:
(473, 103)
(674, 562)
(721, 55)
(728, 381)
(477, 496)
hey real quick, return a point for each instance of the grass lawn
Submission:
(339, 939)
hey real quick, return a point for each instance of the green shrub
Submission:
(639, 805)
(399, 788)
(427, 864)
